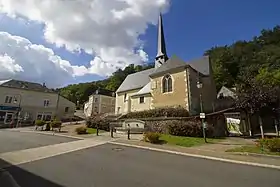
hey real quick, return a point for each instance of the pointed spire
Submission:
(161, 50)
(161, 40)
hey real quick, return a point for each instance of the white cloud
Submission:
(20, 58)
(108, 29)
(8, 66)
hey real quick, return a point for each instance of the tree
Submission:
(81, 92)
(257, 96)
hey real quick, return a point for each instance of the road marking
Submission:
(198, 156)
(33, 154)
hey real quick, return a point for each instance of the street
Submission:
(13, 140)
(111, 165)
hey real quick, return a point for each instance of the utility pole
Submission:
(202, 115)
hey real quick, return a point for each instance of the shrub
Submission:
(152, 137)
(103, 124)
(191, 128)
(48, 126)
(40, 123)
(159, 112)
(272, 144)
(56, 124)
(81, 130)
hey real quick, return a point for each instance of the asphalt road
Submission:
(13, 141)
(116, 166)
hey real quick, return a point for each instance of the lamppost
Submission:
(19, 107)
(202, 115)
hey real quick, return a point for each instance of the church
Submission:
(171, 83)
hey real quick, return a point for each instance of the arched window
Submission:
(167, 84)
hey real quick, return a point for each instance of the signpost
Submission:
(204, 125)
(202, 115)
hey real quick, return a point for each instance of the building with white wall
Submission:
(30, 101)
(101, 102)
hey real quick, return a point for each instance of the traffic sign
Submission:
(202, 115)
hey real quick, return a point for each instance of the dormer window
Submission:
(167, 84)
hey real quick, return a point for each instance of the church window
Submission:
(167, 84)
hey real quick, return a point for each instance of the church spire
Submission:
(161, 50)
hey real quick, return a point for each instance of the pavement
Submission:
(112, 165)
(210, 151)
(34, 159)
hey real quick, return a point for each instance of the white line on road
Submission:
(198, 156)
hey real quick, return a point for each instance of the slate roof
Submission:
(136, 80)
(25, 85)
(145, 90)
(201, 65)
(141, 79)
(173, 62)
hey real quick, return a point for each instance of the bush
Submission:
(40, 123)
(191, 128)
(48, 126)
(272, 144)
(102, 124)
(159, 112)
(56, 124)
(81, 130)
(152, 137)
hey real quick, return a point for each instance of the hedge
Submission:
(159, 112)
(103, 124)
(190, 128)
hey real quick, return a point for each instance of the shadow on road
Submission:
(14, 176)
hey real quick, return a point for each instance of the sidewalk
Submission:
(209, 151)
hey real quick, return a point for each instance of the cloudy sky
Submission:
(68, 41)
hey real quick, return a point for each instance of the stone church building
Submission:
(171, 83)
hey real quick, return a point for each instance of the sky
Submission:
(61, 42)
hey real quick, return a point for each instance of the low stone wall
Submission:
(161, 124)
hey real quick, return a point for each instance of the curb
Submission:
(199, 156)
(257, 155)
(53, 134)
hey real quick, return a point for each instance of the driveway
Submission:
(111, 165)
(14, 140)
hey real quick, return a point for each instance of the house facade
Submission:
(171, 83)
(101, 102)
(31, 101)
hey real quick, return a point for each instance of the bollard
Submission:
(112, 131)
(128, 133)
(97, 130)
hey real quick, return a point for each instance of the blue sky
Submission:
(191, 27)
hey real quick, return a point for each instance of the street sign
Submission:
(202, 115)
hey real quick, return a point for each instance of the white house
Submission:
(30, 101)
(101, 102)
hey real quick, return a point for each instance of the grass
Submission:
(253, 149)
(93, 131)
(185, 141)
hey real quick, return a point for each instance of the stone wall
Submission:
(161, 124)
